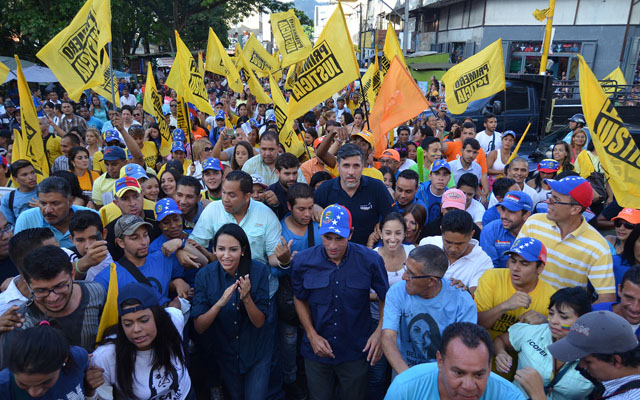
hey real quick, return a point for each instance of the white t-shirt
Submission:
(485, 141)
(527, 189)
(407, 164)
(476, 209)
(467, 269)
(147, 384)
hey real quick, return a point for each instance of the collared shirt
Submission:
(32, 218)
(255, 165)
(611, 386)
(580, 257)
(20, 203)
(75, 122)
(495, 240)
(490, 215)
(281, 193)
(369, 204)
(457, 169)
(310, 167)
(338, 297)
(102, 192)
(235, 340)
(414, 201)
(61, 164)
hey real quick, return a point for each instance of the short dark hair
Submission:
(469, 125)
(631, 275)
(472, 335)
(270, 135)
(349, 150)
(394, 216)
(471, 142)
(25, 241)
(501, 186)
(83, 219)
(457, 221)
(246, 182)
(17, 165)
(54, 184)
(489, 115)
(576, 298)
(286, 160)
(319, 177)
(468, 179)
(127, 107)
(299, 190)
(45, 263)
(137, 130)
(410, 175)
(41, 349)
(433, 259)
(190, 181)
(426, 142)
(403, 128)
(73, 138)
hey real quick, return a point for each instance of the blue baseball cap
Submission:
(575, 186)
(335, 219)
(271, 118)
(220, 115)
(212, 163)
(113, 153)
(529, 248)
(143, 294)
(177, 146)
(439, 164)
(512, 133)
(178, 135)
(134, 170)
(516, 201)
(165, 207)
(111, 135)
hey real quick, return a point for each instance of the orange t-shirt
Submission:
(454, 151)
(199, 133)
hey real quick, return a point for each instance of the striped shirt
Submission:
(582, 256)
(611, 386)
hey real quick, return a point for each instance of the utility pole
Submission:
(405, 40)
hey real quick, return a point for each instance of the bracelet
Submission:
(75, 266)
(184, 243)
(286, 265)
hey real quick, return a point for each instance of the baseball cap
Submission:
(335, 219)
(177, 146)
(113, 153)
(439, 164)
(165, 207)
(442, 107)
(630, 215)
(548, 166)
(5, 133)
(220, 115)
(174, 165)
(126, 183)
(141, 293)
(111, 135)
(257, 180)
(178, 135)
(133, 170)
(317, 142)
(599, 332)
(212, 163)
(575, 186)
(528, 248)
(516, 201)
(366, 136)
(9, 103)
(392, 154)
(271, 118)
(509, 132)
(127, 224)
(454, 198)
(341, 98)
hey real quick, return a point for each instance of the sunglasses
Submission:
(618, 223)
(136, 114)
(208, 149)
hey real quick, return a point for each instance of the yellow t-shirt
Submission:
(150, 154)
(53, 148)
(111, 211)
(185, 166)
(98, 163)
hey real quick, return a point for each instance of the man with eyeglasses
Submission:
(420, 307)
(578, 254)
(173, 107)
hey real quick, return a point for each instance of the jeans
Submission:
(351, 380)
(288, 341)
(250, 385)
(377, 374)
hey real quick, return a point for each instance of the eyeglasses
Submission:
(136, 114)
(412, 276)
(208, 148)
(9, 227)
(617, 223)
(553, 200)
(41, 293)
(173, 105)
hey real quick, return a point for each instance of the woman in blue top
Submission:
(41, 364)
(230, 306)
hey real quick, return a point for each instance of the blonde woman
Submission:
(202, 149)
(94, 142)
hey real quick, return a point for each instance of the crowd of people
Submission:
(443, 268)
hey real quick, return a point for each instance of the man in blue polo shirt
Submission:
(498, 236)
(430, 192)
(331, 284)
(367, 199)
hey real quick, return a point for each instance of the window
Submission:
(517, 99)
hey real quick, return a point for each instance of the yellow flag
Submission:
(153, 105)
(390, 51)
(329, 68)
(186, 79)
(108, 84)
(184, 121)
(616, 149)
(28, 144)
(370, 84)
(616, 77)
(291, 142)
(200, 64)
(541, 15)
(4, 73)
(74, 54)
(293, 44)
(293, 71)
(477, 77)
(259, 58)
(254, 85)
(219, 62)
(110, 312)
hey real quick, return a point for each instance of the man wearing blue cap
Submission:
(331, 284)
(430, 192)
(114, 158)
(178, 153)
(216, 131)
(111, 211)
(212, 180)
(496, 238)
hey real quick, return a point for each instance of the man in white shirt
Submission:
(127, 99)
(465, 163)
(468, 183)
(490, 139)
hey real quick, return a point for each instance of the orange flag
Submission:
(399, 100)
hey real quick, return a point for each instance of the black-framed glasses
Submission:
(9, 227)
(553, 200)
(41, 293)
(208, 149)
(412, 276)
(617, 223)
(173, 105)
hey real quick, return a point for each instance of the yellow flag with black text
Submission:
(108, 84)
(219, 62)
(254, 85)
(4, 73)
(477, 77)
(292, 42)
(153, 105)
(330, 67)
(28, 144)
(184, 121)
(73, 55)
(616, 77)
(615, 147)
(288, 138)
(370, 84)
(390, 51)
(290, 80)
(186, 79)
(259, 58)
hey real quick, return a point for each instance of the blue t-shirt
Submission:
(299, 243)
(420, 322)
(421, 382)
(70, 383)
(160, 270)
(432, 201)
(156, 244)
(491, 214)
(495, 240)
(20, 203)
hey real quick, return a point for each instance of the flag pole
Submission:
(364, 103)
(113, 78)
(547, 38)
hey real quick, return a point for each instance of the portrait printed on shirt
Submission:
(164, 385)
(424, 337)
